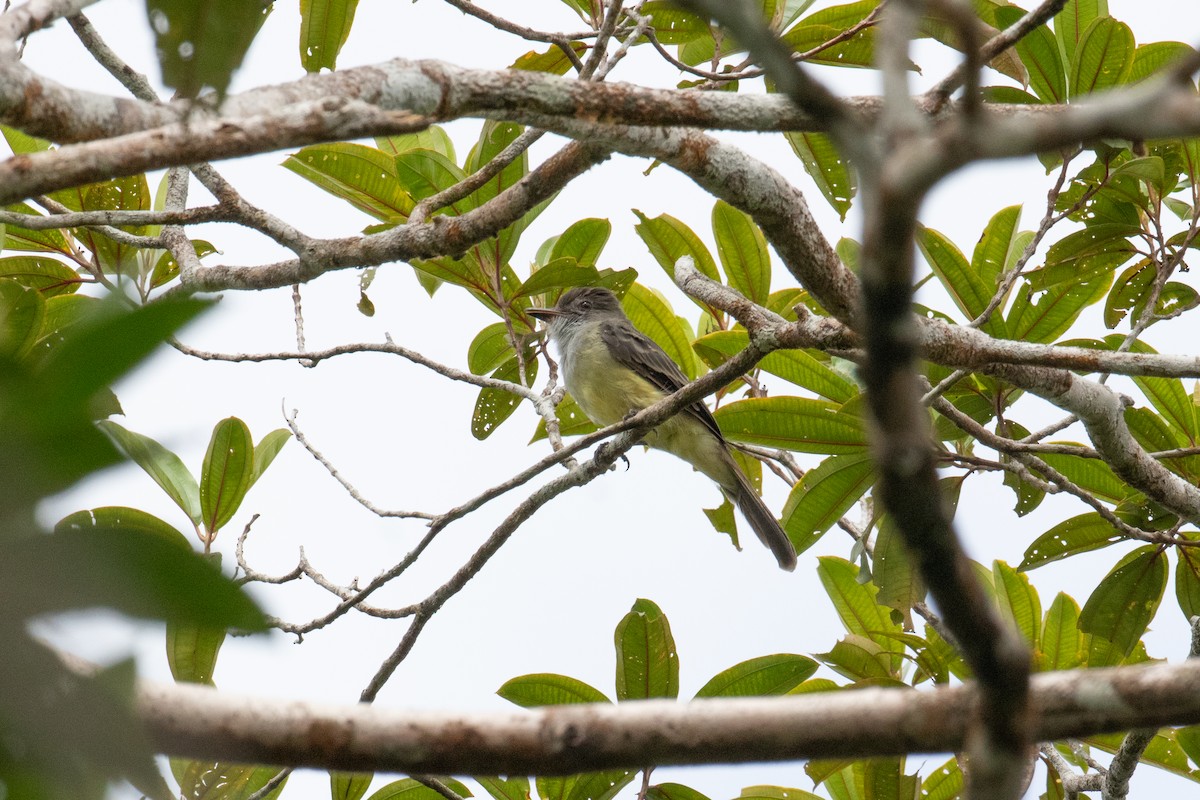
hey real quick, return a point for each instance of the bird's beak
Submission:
(544, 314)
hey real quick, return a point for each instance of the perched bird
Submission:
(612, 370)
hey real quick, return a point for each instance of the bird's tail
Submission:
(764, 523)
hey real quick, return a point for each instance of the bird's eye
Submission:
(585, 303)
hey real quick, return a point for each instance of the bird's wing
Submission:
(637, 351)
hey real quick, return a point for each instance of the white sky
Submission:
(549, 601)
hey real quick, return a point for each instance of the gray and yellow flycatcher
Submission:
(612, 370)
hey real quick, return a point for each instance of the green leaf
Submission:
(1079, 534)
(22, 311)
(17, 237)
(673, 25)
(1054, 311)
(1121, 607)
(423, 173)
(265, 451)
(1062, 644)
(129, 569)
(48, 275)
(742, 249)
(1086, 254)
(895, 575)
(1091, 474)
(944, 782)
(202, 42)
(673, 791)
(857, 51)
(1152, 58)
(1103, 58)
(795, 366)
(432, 138)
(723, 521)
(494, 406)
(585, 786)
(324, 27)
(1169, 398)
(1040, 54)
(349, 785)
(192, 651)
(823, 495)
(571, 421)
(858, 658)
(546, 689)
(552, 60)
(1130, 293)
(792, 423)
(411, 789)
(1073, 20)
(119, 517)
(513, 788)
(227, 474)
(362, 176)
(834, 176)
(998, 247)
(651, 315)
(775, 793)
(856, 604)
(1187, 581)
(583, 241)
(1019, 602)
(647, 663)
(668, 240)
(765, 675)
(166, 468)
(558, 273)
(218, 780)
(968, 290)
(130, 193)
(490, 348)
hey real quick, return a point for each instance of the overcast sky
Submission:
(549, 601)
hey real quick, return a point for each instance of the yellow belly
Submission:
(608, 392)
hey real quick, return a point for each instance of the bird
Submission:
(614, 370)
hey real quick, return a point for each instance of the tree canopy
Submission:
(923, 381)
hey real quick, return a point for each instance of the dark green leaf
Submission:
(48, 275)
(775, 793)
(1152, 58)
(1062, 644)
(432, 138)
(793, 423)
(362, 176)
(494, 406)
(858, 658)
(823, 495)
(129, 569)
(513, 788)
(265, 451)
(1019, 602)
(227, 474)
(944, 782)
(1187, 581)
(349, 785)
(490, 348)
(411, 789)
(192, 651)
(324, 28)
(218, 780)
(585, 786)
(765, 675)
(1053, 311)
(796, 366)
(673, 791)
(1040, 54)
(1120, 609)
(894, 573)
(166, 468)
(1079, 534)
(668, 240)
(1091, 474)
(1073, 20)
(121, 518)
(968, 290)
(130, 193)
(834, 176)
(22, 310)
(1103, 58)
(551, 60)
(202, 42)
(583, 241)
(647, 664)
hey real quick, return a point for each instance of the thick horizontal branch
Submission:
(199, 722)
